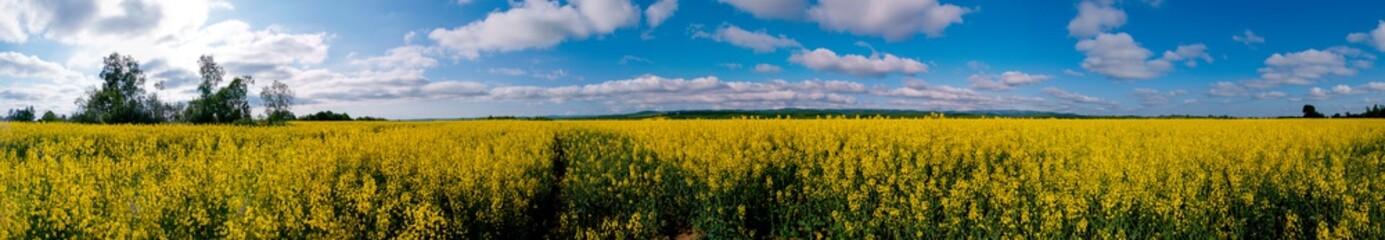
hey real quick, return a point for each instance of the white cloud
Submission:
(19, 65)
(654, 90)
(660, 11)
(917, 93)
(767, 68)
(1309, 66)
(1227, 89)
(454, 89)
(55, 93)
(1189, 54)
(78, 22)
(537, 24)
(1248, 38)
(1070, 72)
(823, 59)
(1343, 89)
(1118, 56)
(1317, 93)
(552, 75)
(770, 9)
(1095, 17)
(633, 59)
(973, 65)
(730, 65)
(1375, 38)
(516, 72)
(1271, 95)
(759, 41)
(508, 71)
(893, 20)
(1373, 86)
(406, 56)
(1074, 98)
(1005, 81)
(1153, 97)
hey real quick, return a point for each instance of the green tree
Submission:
(120, 98)
(1309, 111)
(224, 105)
(49, 116)
(278, 98)
(21, 115)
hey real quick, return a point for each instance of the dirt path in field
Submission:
(551, 208)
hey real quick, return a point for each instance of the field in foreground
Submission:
(841, 179)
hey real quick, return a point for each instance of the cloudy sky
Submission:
(468, 58)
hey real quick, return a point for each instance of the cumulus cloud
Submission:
(1227, 89)
(1005, 81)
(1339, 90)
(660, 11)
(77, 22)
(654, 90)
(1248, 38)
(454, 89)
(1153, 97)
(767, 68)
(1075, 99)
(1317, 93)
(1309, 66)
(516, 72)
(627, 59)
(1095, 17)
(1270, 95)
(891, 19)
(822, 59)
(920, 94)
(1374, 38)
(508, 71)
(770, 9)
(759, 41)
(1070, 72)
(166, 36)
(536, 24)
(56, 90)
(19, 65)
(730, 65)
(1118, 56)
(405, 56)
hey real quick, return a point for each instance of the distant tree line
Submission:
(1374, 111)
(332, 116)
(122, 99)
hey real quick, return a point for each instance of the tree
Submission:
(48, 116)
(224, 105)
(1311, 112)
(21, 115)
(326, 116)
(278, 98)
(120, 98)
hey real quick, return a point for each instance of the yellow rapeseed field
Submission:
(836, 179)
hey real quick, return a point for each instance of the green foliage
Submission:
(1375, 111)
(21, 115)
(49, 116)
(333, 116)
(223, 105)
(121, 96)
(278, 98)
(1311, 112)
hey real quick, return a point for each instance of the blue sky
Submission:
(469, 58)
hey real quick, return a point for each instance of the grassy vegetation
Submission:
(853, 179)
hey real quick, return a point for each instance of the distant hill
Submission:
(798, 113)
